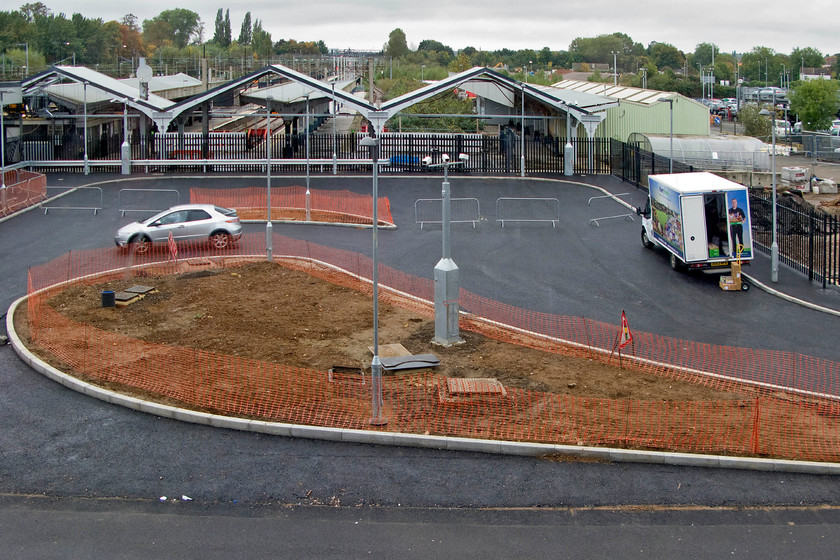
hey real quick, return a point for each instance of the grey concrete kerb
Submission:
(408, 440)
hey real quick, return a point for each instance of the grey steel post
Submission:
(2, 153)
(447, 288)
(86, 167)
(522, 138)
(670, 102)
(269, 248)
(568, 149)
(335, 116)
(774, 247)
(671, 145)
(306, 139)
(125, 149)
(375, 365)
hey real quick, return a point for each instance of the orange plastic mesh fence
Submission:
(23, 189)
(289, 203)
(779, 424)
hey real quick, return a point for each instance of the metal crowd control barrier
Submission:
(430, 211)
(612, 196)
(511, 209)
(147, 200)
(75, 198)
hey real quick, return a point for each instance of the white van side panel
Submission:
(694, 228)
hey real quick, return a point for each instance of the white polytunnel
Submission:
(719, 152)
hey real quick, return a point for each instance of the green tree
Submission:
(261, 39)
(32, 10)
(460, 64)
(805, 57)
(221, 34)
(601, 48)
(219, 29)
(157, 33)
(762, 65)
(429, 45)
(754, 124)
(816, 103)
(245, 30)
(184, 25)
(703, 54)
(664, 55)
(14, 28)
(397, 45)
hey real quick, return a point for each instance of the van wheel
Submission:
(676, 264)
(646, 240)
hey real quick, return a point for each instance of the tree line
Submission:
(34, 37)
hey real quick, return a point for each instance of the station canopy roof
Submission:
(68, 84)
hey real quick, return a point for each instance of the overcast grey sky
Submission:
(734, 25)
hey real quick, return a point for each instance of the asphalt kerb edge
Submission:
(403, 439)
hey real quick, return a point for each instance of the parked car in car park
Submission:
(187, 223)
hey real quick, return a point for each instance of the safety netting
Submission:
(297, 203)
(788, 405)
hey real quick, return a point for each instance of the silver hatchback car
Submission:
(187, 223)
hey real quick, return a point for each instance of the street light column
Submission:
(2, 154)
(334, 117)
(125, 149)
(306, 139)
(447, 288)
(670, 102)
(269, 245)
(774, 247)
(377, 419)
(86, 167)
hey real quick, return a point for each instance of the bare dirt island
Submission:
(268, 312)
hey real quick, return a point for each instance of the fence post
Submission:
(812, 225)
(754, 447)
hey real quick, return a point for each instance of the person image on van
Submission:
(736, 227)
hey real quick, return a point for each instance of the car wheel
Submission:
(140, 244)
(676, 264)
(646, 240)
(220, 240)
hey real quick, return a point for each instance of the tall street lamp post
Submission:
(334, 117)
(86, 167)
(774, 247)
(615, 68)
(2, 153)
(447, 290)
(125, 149)
(522, 137)
(670, 102)
(306, 139)
(269, 249)
(377, 419)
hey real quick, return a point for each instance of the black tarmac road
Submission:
(80, 478)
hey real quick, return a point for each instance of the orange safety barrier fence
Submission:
(289, 203)
(782, 424)
(23, 189)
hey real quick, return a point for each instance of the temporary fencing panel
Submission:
(784, 411)
(510, 209)
(430, 211)
(23, 189)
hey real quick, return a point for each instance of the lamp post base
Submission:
(447, 293)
